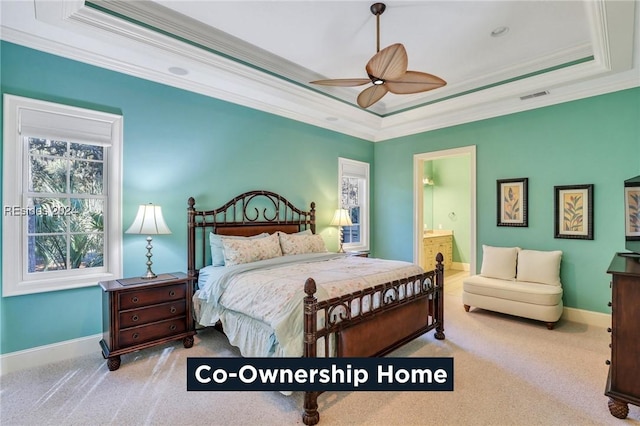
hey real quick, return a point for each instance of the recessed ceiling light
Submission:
(500, 31)
(178, 71)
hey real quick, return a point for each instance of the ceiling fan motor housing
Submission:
(378, 8)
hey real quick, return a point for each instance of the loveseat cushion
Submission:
(539, 266)
(526, 292)
(499, 262)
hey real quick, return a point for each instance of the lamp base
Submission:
(149, 275)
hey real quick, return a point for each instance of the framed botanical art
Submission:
(632, 209)
(512, 202)
(574, 212)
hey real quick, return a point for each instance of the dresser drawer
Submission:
(141, 316)
(139, 298)
(146, 333)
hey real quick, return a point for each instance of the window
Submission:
(354, 196)
(61, 196)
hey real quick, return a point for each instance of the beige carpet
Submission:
(508, 371)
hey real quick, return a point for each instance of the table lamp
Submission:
(341, 218)
(149, 221)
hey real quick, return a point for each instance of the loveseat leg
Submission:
(466, 308)
(550, 325)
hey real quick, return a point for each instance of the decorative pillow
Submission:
(499, 262)
(217, 254)
(539, 266)
(237, 251)
(301, 244)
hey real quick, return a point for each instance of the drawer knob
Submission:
(173, 309)
(135, 335)
(172, 293)
(134, 299)
(135, 318)
(609, 329)
(607, 362)
(172, 327)
(609, 304)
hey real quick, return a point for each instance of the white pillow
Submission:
(215, 240)
(499, 262)
(539, 266)
(241, 245)
(301, 244)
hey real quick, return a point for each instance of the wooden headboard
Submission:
(248, 214)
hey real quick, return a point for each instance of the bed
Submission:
(298, 299)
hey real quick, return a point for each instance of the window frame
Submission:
(74, 125)
(357, 169)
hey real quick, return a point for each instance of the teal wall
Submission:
(446, 203)
(451, 208)
(590, 141)
(177, 144)
(427, 197)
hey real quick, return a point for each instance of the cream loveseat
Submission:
(513, 281)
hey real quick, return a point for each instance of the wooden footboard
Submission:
(371, 322)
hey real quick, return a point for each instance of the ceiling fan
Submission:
(387, 70)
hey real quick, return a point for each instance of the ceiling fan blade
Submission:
(343, 82)
(414, 82)
(389, 63)
(371, 95)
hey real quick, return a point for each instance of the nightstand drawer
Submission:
(141, 316)
(139, 298)
(137, 335)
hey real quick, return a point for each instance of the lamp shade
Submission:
(149, 221)
(341, 218)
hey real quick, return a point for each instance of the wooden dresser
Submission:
(623, 382)
(140, 313)
(434, 243)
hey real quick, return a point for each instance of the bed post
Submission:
(310, 416)
(191, 238)
(312, 217)
(440, 297)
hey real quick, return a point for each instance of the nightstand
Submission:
(138, 313)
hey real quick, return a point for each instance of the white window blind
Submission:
(54, 125)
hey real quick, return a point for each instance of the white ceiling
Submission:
(263, 54)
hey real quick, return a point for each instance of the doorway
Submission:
(420, 180)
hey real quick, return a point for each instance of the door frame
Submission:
(418, 195)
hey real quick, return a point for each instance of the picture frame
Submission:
(632, 210)
(573, 212)
(513, 203)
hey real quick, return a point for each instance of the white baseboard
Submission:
(41, 355)
(597, 319)
(459, 266)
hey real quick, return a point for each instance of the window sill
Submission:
(22, 288)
